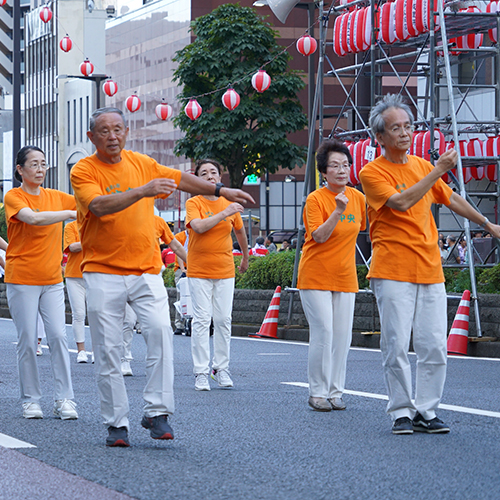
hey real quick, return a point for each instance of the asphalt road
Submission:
(257, 441)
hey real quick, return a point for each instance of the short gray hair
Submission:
(102, 111)
(377, 121)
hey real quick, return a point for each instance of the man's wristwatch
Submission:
(218, 187)
(483, 225)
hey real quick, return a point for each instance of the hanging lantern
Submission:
(133, 103)
(193, 109)
(475, 149)
(387, 31)
(163, 111)
(401, 21)
(439, 144)
(86, 68)
(2, 2)
(364, 29)
(493, 7)
(45, 14)
(307, 45)
(491, 147)
(351, 29)
(110, 87)
(231, 99)
(66, 44)
(261, 81)
(337, 35)
(472, 40)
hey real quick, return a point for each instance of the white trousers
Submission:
(128, 333)
(211, 299)
(330, 316)
(402, 307)
(107, 296)
(179, 320)
(25, 301)
(76, 295)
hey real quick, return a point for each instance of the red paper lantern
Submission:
(491, 147)
(2, 2)
(163, 111)
(307, 45)
(110, 88)
(475, 149)
(86, 68)
(351, 28)
(387, 31)
(66, 44)
(337, 32)
(193, 109)
(343, 33)
(364, 29)
(231, 99)
(472, 40)
(45, 14)
(401, 20)
(133, 103)
(493, 7)
(261, 81)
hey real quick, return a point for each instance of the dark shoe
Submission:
(118, 436)
(402, 425)
(158, 427)
(433, 426)
(178, 331)
(319, 404)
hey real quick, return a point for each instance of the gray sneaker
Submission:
(319, 404)
(337, 403)
(65, 409)
(201, 383)
(222, 378)
(32, 410)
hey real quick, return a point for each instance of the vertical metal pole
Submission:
(249, 230)
(16, 83)
(319, 89)
(267, 202)
(311, 8)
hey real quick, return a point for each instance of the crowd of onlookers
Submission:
(265, 246)
(454, 250)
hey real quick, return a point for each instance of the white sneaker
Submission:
(126, 370)
(65, 409)
(222, 378)
(201, 383)
(32, 410)
(39, 351)
(82, 357)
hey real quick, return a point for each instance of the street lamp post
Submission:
(16, 85)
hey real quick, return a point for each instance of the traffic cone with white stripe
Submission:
(459, 333)
(269, 328)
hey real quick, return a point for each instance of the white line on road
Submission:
(10, 442)
(460, 409)
(273, 354)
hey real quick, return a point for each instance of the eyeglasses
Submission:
(397, 129)
(36, 166)
(337, 166)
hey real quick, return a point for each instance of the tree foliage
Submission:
(231, 43)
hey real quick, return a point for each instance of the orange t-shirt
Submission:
(404, 243)
(210, 255)
(119, 243)
(163, 233)
(34, 253)
(71, 235)
(331, 265)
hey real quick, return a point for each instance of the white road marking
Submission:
(10, 442)
(273, 354)
(459, 409)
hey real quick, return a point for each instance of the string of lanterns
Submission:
(261, 81)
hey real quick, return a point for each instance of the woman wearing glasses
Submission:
(333, 217)
(34, 280)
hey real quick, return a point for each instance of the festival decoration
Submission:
(387, 31)
(491, 147)
(86, 68)
(475, 149)
(66, 44)
(493, 7)
(110, 88)
(133, 103)
(307, 45)
(231, 99)
(193, 109)
(163, 111)
(45, 14)
(2, 2)
(261, 81)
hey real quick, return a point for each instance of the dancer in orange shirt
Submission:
(34, 280)
(333, 217)
(210, 270)
(406, 274)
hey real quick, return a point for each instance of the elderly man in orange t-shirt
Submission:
(115, 190)
(406, 273)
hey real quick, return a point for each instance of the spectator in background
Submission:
(259, 250)
(453, 255)
(442, 251)
(284, 246)
(269, 243)
(236, 249)
(462, 250)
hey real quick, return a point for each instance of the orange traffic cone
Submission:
(459, 333)
(269, 328)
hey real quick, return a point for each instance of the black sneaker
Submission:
(433, 426)
(118, 436)
(158, 427)
(402, 425)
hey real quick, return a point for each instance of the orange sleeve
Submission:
(13, 204)
(377, 189)
(193, 211)
(163, 231)
(70, 235)
(238, 221)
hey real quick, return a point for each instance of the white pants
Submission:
(107, 296)
(25, 301)
(76, 295)
(402, 307)
(330, 316)
(211, 299)
(179, 320)
(128, 333)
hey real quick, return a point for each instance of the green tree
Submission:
(3, 223)
(231, 43)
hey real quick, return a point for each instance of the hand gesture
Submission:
(243, 266)
(494, 230)
(447, 161)
(232, 209)
(342, 200)
(158, 186)
(236, 195)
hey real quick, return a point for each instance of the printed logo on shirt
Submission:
(115, 188)
(211, 214)
(350, 218)
(400, 187)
